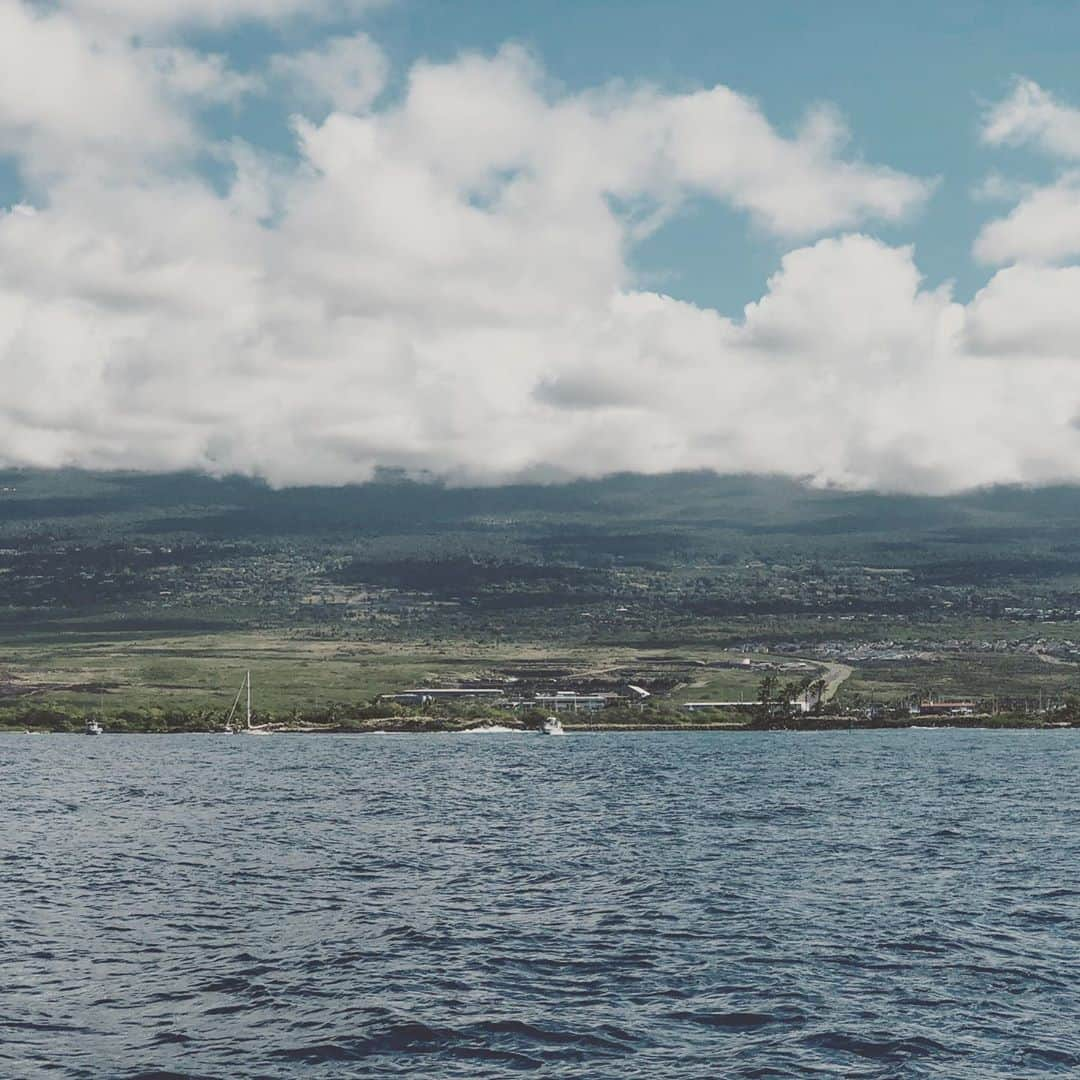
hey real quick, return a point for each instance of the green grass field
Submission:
(109, 675)
(973, 675)
(203, 671)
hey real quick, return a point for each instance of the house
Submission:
(570, 699)
(946, 708)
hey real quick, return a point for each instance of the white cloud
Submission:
(346, 73)
(1043, 227)
(66, 95)
(720, 143)
(78, 98)
(480, 116)
(1032, 116)
(216, 343)
(1028, 312)
(443, 283)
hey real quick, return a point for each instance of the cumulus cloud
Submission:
(1028, 312)
(1032, 116)
(442, 282)
(74, 97)
(480, 116)
(67, 95)
(1043, 227)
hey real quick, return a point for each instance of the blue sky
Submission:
(504, 241)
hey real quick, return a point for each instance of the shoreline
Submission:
(435, 727)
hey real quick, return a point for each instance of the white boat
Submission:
(552, 726)
(247, 729)
(92, 727)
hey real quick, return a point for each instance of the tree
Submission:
(767, 695)
(815, 693)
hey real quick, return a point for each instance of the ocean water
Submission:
(880, 904)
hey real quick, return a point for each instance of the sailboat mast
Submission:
(249, 698)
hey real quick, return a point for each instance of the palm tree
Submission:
(767, 694)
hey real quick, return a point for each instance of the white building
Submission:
(570, 699)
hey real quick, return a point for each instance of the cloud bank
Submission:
(440, 280)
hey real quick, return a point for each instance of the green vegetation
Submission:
(147, 597)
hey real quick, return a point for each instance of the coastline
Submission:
(434, 726)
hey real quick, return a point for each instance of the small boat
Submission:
(92, 727)
(247, 729)
(552, 726)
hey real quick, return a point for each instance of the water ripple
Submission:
(890, 904)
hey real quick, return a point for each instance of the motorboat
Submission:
(92, 727)
(552, 726)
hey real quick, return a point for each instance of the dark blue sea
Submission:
(880, 904)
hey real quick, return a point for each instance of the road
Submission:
(835, 676)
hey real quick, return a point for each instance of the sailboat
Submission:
(247, 729)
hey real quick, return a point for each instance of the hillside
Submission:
(971, 594)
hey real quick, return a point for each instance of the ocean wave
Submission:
(649, 907)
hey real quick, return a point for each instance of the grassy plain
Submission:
(109, 675)
(964, 676)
